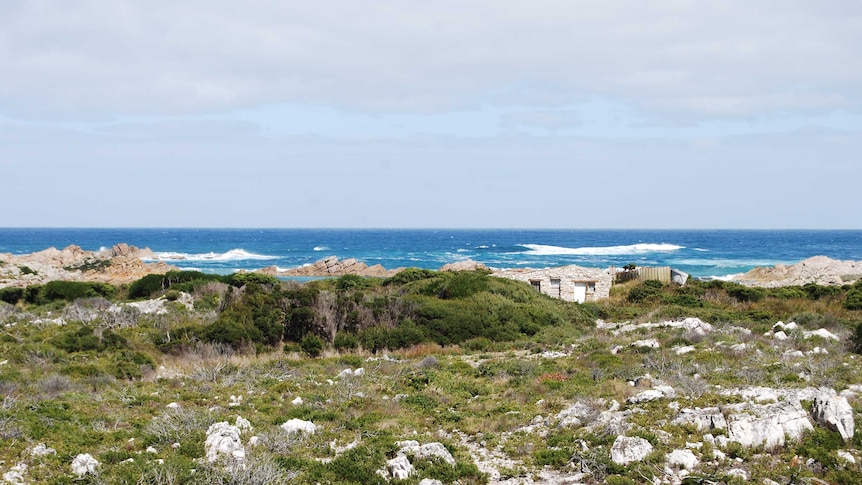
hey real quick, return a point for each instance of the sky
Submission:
(456, 114)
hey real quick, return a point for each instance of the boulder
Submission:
(223, 440)
(682, 458)
(15, 475)
(627, 450)
(426, 451)
(42, 450)
(296, 426)
(399, 467)
(84, 464)
(834, 412)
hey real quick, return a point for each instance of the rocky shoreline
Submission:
(123, 263)
(118, 265)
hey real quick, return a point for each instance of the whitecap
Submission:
(544, 250)
(321, 248)
(724, 263)
(232, 255)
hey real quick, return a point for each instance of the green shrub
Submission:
(147, 286)
(408, 275)
(745, 293)
(554, 458)
(242, 279)
(11, 295)
(644, 291)
(73, 290)
(854, 299)
(83, 339)
(345, 341)
(352, 281)
(312, 345)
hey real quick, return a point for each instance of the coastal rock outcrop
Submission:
(818, 269)
(467, 265)
(332, 266)
(120, 264)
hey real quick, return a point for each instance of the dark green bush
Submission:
(816, 292)
(744, 293)
(854, 299)
(242, 279)
(352, 281)
(345, 341)
(408, 275)
(11, 295)
(312, 345)
(644, 291)
(83, 338)
(147, 286)
(69, 291)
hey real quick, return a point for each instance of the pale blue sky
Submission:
(558, 114)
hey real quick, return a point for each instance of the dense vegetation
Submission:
(466, 350)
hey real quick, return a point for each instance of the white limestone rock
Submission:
(682, 458)
(223, 440)
(685, 349)
(15, 475)
(295, 426)
(646, 343)
(399, 467)
(243, 424)
(704, 418)
(84, 464)
(766, 424)
(834, 412)
(42, 450)
(426, 451)
(846, 456)
(627, 450)
(822, 333)
(738, 473)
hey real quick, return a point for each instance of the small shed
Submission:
(570, 283)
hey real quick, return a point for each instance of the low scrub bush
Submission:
(312, 345)
(647, 290)
(67, 291)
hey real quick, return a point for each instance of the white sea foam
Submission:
(321, 248)
(232, 255)
(729, 277)
(543, 250)
(724, 263)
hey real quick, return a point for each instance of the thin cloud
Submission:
(92, 59)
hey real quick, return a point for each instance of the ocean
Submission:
(701, 253)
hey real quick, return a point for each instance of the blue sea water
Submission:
(701, 253)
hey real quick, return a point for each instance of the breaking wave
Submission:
(543, 250)
(321, 248)
(232, 255)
